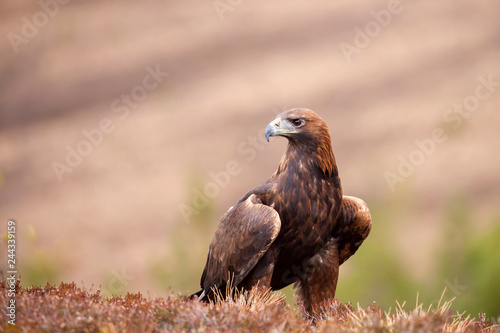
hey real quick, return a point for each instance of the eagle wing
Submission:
(357, 221)
(242, 237)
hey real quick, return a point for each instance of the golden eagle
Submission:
(296, 227)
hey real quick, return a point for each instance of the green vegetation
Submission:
(181, 264)
(482, 272)
(41, 266)
(465, 262)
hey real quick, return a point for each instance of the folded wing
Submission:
(357, 221)
(242, 237)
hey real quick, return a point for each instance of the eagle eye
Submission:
(297, 122)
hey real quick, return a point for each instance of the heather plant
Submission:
(68, 308)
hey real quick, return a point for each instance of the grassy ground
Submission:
(71, 309)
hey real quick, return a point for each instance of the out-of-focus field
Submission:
(116, 116)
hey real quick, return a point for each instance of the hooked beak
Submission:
(273, 128)
(279, 127)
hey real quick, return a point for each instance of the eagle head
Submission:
(308, 136)
(298, 125)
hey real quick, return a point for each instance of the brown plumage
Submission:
(296, 227)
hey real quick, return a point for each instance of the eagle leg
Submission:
(318, 279)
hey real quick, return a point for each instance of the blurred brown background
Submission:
(114, 117)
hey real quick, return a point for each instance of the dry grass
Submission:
(72, 309)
